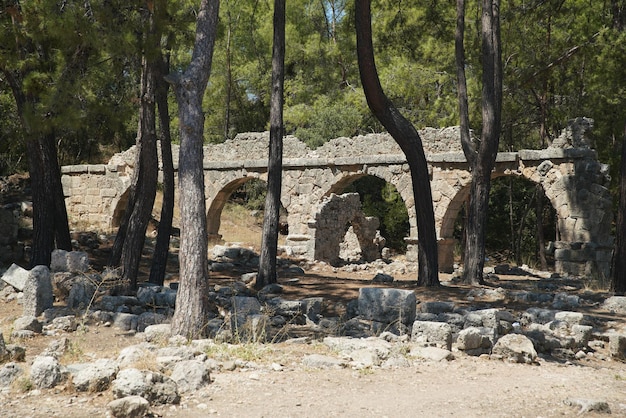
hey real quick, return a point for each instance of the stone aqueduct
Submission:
(568, 171)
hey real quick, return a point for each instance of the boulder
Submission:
(129, 407)
(95, 376)
(8, 373)
(45, 372)
(154, 387)
(475, 340)
(190, 375)
(616, 304)
(387, 305)
(515, 348)
(426, 333)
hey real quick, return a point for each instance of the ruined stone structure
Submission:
(568, 171)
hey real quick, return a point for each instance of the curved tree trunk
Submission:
(407, 137)
(191, 312)
(269, 243)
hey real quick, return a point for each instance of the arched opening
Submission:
(521, 224)
(120, 209)
(382, 221)
(236, 213)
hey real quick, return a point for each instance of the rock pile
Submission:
(382, 328)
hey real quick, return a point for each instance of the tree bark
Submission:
(482, 161)
(269, 243)
(191, 312)
(618, 270)
(407, 137)
(161, 248)
(147, 169)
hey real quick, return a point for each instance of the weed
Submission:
(23, 384)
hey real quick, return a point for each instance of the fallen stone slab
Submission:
(431, 353)
(318, 361)
(16, 276)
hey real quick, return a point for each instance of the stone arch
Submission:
(335, 214)
(398, 176)
(218, 201)
(120, 209)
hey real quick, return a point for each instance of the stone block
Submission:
(438, 334)
(617, 346)
(515, 348)
(16, 276)
(38, 294)
(387, 305)
(615, 304)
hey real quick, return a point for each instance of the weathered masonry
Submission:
(568, 171)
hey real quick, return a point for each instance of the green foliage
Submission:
(382, 200)
(323, 121)
(512, 223)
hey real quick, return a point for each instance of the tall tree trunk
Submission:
(147, 172)
(618, 270)
(191, 312)
(481, 158)
(269, 243)
(161, 248)
(541, 241)
(407, 137)
(131, 236)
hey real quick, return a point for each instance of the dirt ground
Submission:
(277, 384)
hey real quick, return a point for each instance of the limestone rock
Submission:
(515, 348)
(8, 373)
(617, 346)
(318, 361)
(615, 304)
(81, 293)
(45, 372)
(16, 276)
(38, 294)
(428, 333)
(157, 332)
(154, 387)
(129, 407)
(27, 323)
(190, 375)
(387, 305)
(431, 353)
(436, 307)
(96, 376)
(475, 341)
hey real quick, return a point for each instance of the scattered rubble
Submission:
(383, 328)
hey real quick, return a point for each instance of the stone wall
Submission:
(568, 171)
